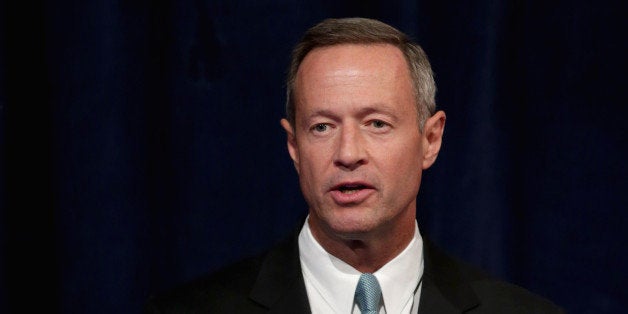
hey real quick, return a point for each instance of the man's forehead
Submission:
(383, 51)
(353, 76)
(346, 61)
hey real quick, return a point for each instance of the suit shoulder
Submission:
(498, 296)
(447, 269)
(243, 287)
(471, 288)
(214, 293)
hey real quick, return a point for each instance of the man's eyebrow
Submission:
(380, 108)
(376, 108)
(322, 113)
(383, 109)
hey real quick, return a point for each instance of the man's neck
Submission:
(370, 251)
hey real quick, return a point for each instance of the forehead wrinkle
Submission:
(351, 73)
(335, 67)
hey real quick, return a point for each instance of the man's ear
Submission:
(432, 138)
(292, 143)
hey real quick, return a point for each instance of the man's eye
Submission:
(378, 124)
(321, 127)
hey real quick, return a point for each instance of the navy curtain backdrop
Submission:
(141, 146)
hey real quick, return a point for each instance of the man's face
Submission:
(356, 143)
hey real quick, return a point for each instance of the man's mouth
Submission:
(351, 193)
(351, 188)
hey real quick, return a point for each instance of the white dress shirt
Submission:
(331, 283)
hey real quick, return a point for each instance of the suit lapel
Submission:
(445, 290)
(433, 301)
(280, 286)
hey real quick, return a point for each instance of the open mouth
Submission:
(351, 188)
(350, 193)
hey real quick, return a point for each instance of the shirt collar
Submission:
(336, 280)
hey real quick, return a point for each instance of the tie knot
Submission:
(368, 294)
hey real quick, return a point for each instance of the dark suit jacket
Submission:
(273, 283)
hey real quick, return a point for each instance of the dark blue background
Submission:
(141, 144)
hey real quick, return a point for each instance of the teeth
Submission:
(350, 191)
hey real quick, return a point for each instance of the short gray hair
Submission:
(332, 32)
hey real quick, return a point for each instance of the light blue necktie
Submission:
(368, 294)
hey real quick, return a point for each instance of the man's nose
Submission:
(350, 152)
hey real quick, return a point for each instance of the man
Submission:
(361, 126)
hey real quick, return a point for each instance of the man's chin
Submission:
(350, 229)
